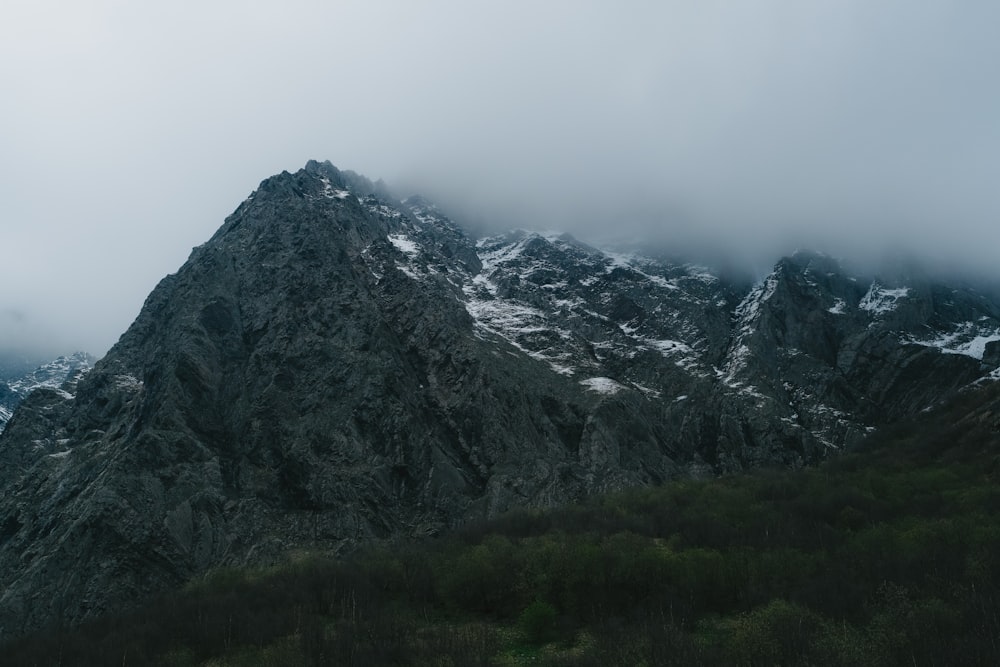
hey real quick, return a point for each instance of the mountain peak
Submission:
(322, 169)
(335, 366)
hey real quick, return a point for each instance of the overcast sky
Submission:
(129, 130)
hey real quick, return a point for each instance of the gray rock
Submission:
(335, 366)
(18, 382)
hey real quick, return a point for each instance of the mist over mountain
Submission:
(335, 366)
(753, 129)
(615, 246)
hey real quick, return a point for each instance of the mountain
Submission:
(335, 366)
(16, 382)
(886, 555)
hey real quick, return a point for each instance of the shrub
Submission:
(538, 622)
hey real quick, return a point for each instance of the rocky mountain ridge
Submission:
(335, 366)
(50, 375)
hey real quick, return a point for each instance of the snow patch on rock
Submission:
(880, 300)
(602, 385)
(967, 339)
(403, 244)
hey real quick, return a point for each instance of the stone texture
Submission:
(336, 366)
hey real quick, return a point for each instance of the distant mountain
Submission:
(335, 366)
(14, 364)
(16, 382)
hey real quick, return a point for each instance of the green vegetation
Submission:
(888, 556)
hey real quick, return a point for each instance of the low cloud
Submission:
(750, 127)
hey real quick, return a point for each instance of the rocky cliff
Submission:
(16, 382)
(334, 365)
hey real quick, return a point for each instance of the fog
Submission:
(128, 131)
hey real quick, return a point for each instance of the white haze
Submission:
(128, 131)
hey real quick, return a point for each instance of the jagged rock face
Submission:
(15, 387)
(335, 366)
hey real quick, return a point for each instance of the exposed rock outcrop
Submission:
(335, 366)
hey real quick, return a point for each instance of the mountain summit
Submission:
(335, 366)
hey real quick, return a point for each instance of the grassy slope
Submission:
(885, 556)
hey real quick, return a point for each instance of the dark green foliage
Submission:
(887, 557)
(538, 622)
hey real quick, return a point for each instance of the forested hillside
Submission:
(887, 556)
